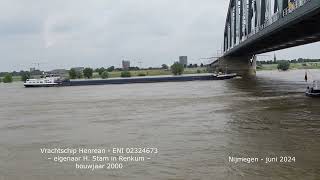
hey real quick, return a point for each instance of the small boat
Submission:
(44, 81)
(314, 91)
(226, 76)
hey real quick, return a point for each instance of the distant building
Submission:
(32, 69)
(125, 65)
(183, 60)
(58, 71)
(274, 58)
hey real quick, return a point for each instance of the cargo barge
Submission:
(148, 79)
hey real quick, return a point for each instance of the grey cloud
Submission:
(67, 33)
(19, 27)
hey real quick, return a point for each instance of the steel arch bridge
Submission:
(258, 26)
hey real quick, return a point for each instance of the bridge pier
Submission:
(243, 66)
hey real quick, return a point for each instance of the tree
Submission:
(111, 68)
(283, 65)
(201, 65)
(88, 72)
(0, 80)
(7, 78)
(134, 68)
(177, 68)
(73, 73)
(25, 75)
(100, 70)
(104, 75)
(164, 66)
(79, 74)
(125, 74)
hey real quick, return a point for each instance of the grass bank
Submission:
(153, 72)
(268, 67)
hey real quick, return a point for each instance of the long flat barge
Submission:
(131, 80)
(149, 79)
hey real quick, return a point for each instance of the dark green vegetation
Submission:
(74, 74)
(294, 64)
(283, 65)
(20, 73)
(192, 65)
(125, 74)
(88, 72)
(100, 70)
(269, 67)
(177, 68)
(294, 61)
(78, 74)
(110, 69)
(26, 75)
(113, 72)
(141, 74)
(164, 66)
(7, 78)
(104, 74)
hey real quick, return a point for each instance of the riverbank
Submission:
(293, 66)
(199, 70)
(154, 72)
(137, 73)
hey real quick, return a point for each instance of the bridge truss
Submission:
(247, 18)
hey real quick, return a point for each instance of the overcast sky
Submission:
(95, 33)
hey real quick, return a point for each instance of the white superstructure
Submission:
(48, 80)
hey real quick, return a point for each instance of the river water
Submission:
(196, 126)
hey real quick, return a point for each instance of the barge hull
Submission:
(44, 85)
(133, 80)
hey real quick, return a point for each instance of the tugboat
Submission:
(314, 91)
(44, 81)
(225, 75)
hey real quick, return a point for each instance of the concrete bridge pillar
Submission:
(243, 66)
